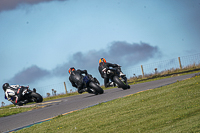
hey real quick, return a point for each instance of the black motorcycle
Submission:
(92, 85)
(114, 76)
(31, 96)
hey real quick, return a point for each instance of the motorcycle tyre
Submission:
(97, 88)
(37, 96)
(120, 83)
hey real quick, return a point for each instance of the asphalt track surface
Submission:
(65, 105)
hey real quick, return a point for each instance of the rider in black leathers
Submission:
(103, 65)
(76, 78)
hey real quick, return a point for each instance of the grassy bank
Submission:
(12, 109)
(172, 108)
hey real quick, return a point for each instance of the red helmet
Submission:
(71, 69)
(102, 60)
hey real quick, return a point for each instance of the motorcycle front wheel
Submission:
(38, 98)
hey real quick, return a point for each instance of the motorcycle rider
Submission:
(14, 95)
(103, 65)
(76, 78)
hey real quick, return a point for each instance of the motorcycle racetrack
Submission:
(51, 109)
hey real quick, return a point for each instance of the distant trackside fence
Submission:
(157, 67)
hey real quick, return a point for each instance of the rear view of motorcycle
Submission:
(119, 80)
(92, 85)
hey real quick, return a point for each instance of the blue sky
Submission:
(41, 39)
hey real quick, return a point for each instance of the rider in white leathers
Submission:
(14, 94)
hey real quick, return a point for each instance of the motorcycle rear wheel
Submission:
(120, 83)
(97, 88)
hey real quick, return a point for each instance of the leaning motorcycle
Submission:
(30, 95)
(92, 85)
(114, 76)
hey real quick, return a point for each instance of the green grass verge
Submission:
(60, 96)
(12, 109)
(172, 108)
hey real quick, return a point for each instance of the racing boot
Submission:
(20, 103)
(81, 91)
(110, 84)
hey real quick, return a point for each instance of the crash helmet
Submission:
(71, 69)
(5, 86)
(102, 60)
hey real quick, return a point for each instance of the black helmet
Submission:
(5, 86)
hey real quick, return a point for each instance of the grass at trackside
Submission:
(171, 108)
(11, 109)
(60, 96)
